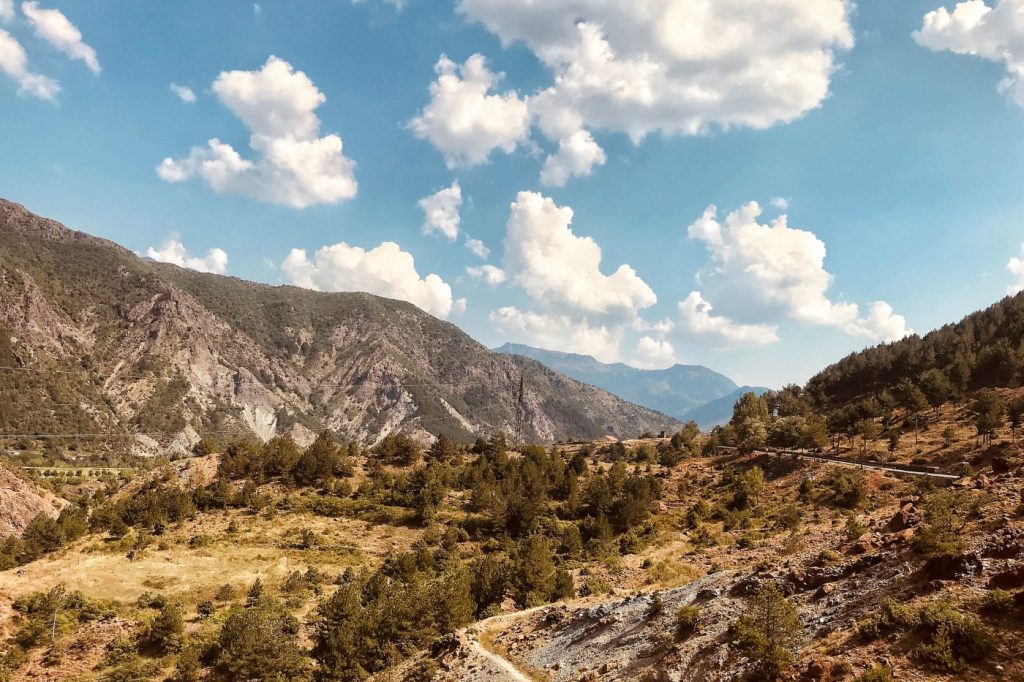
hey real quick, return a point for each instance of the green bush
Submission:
(769, 631)
(876, 673)
(687, 621)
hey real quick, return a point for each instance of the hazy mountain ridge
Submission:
(133, 345)
(674, 390)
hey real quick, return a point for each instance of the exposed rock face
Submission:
(21, 501)
(147, 348)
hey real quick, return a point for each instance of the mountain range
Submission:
(95, 340)
(682, 391)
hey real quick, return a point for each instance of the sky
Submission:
(758, 186)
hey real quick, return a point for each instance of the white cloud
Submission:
(441, 211)
(781, 203)
(183, 92)
(653, 354)
(6, 10)
(466, 123)
(478, 248)
(173, 251)
(294, 166)
(55, 28)
(676, 66)
(881, 324)
(1016, 268)
(558, 332)
(973, 28)
(699, 323)
(557, 268)
(488, 273)
(386, 270)
(576, 156)
(14, 62)
(763, 272)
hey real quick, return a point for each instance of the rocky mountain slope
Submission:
(674, 391)
(21, 501)
(94, 339)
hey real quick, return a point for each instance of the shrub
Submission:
(687, 621)
(946, 514)
(953, 639)
(854, 528)
(876, 673)
(997, 601)
(845, 489)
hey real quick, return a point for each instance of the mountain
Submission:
(674, 391)
(984, 349)
(719, 411)
(94, 339)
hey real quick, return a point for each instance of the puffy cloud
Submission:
(184, 93)
(466, 123)
(386, 270)
(173, 251)
(560, 269)
(55, 28)
(880, 324)
(781, 203)
(700, 324)
(14, 62)
(488, 273)
(6, 10)
(675, 66)
(294, 166)
(653, 354)
(478, 248)
(1016, 268)
(441, 211)
(576, 156)
(973, 28)
(558, 332)
(763, 272)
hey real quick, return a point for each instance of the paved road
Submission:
(877, 466)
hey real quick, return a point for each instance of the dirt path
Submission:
(502, 664)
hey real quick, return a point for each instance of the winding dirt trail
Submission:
(499, 662)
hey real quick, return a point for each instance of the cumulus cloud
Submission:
(6, 10)
(576, 156)
(676, 66)
(478, 248)
(173, 251)
(488, 273)
(973, 28)
(781, 203)
(463, 120)
(558, 332)
(653, 354)
(55, 28)
(293, 166)
(761, 272)
(558, 268)
(441, 211)
(1016, 268)
(183, 92)
(700, 324)
(14, 62)
(386, 270)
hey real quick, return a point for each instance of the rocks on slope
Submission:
(148, 348)
(21, 501)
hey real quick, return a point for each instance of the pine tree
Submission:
(168, 629)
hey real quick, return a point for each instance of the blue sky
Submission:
(900, 158)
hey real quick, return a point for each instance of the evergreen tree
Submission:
(769, 631)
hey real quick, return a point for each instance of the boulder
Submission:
(1005, 543)
(906, 517)
(1001, 465)
(952, 567)
(1008, 579)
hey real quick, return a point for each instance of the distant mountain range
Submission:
(681, 391)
